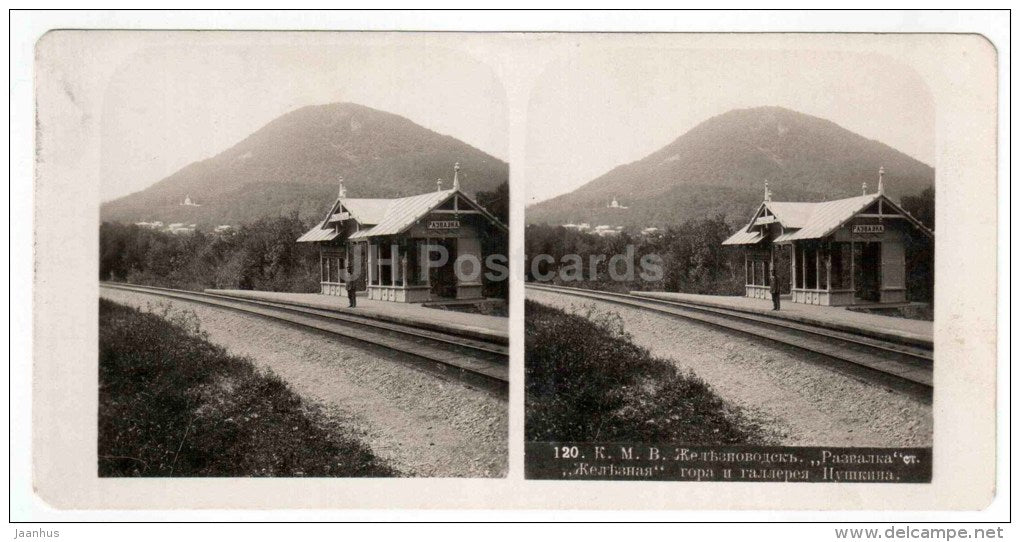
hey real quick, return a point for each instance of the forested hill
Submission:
(292, 165)
(720, 165)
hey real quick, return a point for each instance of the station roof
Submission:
(826, 217)
(387, 216)
(367, 211)
(807, 220)
(744, 237)
(402, 212)
(791, 214)
(321, 232)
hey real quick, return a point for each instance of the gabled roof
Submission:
(791, 214)
(802, 220)
(389, 216)
(826, 216)
(744, 237)
(402, 212)
(321, 232)
(367, 211)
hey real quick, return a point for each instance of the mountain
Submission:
(293, 164)
(720, 165)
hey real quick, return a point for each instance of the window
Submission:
(338, 265)
(811, 268)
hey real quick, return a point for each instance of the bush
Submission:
(262, 255)
(693, 258)
(173, 404)
(586, 381)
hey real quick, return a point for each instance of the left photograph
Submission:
(302, 260)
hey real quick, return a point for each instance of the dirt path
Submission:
(801, 403)
(422, 425)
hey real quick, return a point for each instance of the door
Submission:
(867, 271)
(444, 278)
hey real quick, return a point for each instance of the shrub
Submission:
(262, 255)
(173, 404)
(586, 381)
(693, 258)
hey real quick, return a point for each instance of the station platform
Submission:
(493, 328)
(887, 327)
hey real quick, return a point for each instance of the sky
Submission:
(596, 110)
(195, 94)
(169, 102)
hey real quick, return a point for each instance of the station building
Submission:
(385, 241)
(844, 252)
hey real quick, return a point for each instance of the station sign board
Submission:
(444, 224)
(868, 228)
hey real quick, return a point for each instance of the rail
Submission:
(472, 361)
(903, 367)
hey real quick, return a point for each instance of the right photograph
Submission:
(729, 267)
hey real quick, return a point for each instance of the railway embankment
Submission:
(173, 404)
(418, 424)
(792, 393)
(586, 381)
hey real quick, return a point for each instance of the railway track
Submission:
(477, 362)
(905, 366)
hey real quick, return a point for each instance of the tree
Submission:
(261, 255)
(922, 206)
(497, 202)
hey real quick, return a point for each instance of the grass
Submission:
(586, 381)
(486, 307)
(173, 404)
(913, 311)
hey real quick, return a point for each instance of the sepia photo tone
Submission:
(296, 270)
(303, 263)
(731, 274)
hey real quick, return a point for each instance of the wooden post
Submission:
(371, 263)
(747, 280)
(853, 274)
(803, 265)
(828, 267)
(403, 270)
(394, 262)
(428, 274)
(424, 263)
(772, 263)
(793, 267)
(818, 268)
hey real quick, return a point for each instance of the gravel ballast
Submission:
(800, 402)
(419, 423)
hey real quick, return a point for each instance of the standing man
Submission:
(352, 287)
(774, 288)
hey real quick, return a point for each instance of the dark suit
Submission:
(352, 289)
(774, 290)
